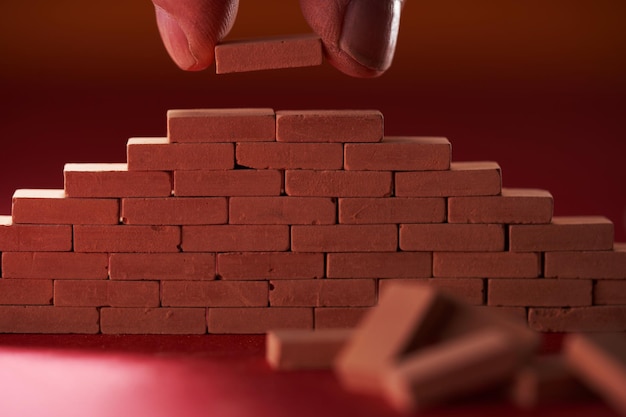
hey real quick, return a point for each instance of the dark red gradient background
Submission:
(539, 87)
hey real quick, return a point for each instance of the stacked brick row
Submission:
(243, 220)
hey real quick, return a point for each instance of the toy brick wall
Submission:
(242, 220)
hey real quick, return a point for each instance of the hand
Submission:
(359, 36)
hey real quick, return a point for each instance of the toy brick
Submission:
(114, 320)
(514, 206)
(55, 265)
(329, 126)
(221, 125)
(379, 265)
(243, 182)
(282, 210)
(296, 349)
(486, 264)
(517, 314)
(258, 319)
(162, 266)
(52, 207)
(123, 238)
(344, 238)
(281, 155)
(268, 53)
(174, 211)
(306, 183)
(114, 180)
(578, 319)
(27, 237)
(563, 234)
(323, 293)
(339, 317)
(399, 153)
(467, 290)
(270, 265)
(452, 237)
(235, 238)
(391, 210)
(462, 179)
(214, 294)
(607, 292)
(48, 319)
(105, 293)
(539, 292)
(25, 291)
(158, 154)
(587, 264)
(600, 360)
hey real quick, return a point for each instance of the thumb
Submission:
(190, 29)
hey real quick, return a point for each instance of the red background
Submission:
(539, 87)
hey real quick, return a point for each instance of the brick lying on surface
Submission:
(399, 153)
(323, 293)
(600, 360)
(114, 320)
(162, 266)
(244, 182)
(174, 211)
(379, 265)
(25, 291)
(306, 183)
(268, 53)
(607, 292)
(514, 206)
(578, 319)
(232, 238)
(105, 293)
(452, 237)
(304, 349)
(158, 154)
(338, 317)
(270, 265)
(282, 210)
(55, 265)
(539, 292)
(391, 210)
(517, 314)
(468, 290)
(587, 264)
(123, 238)
(48, 319)
(114, 180)
(462, 179)
(329, 126)
(214, 294)
(27, 237)
(563, 234)
(280, 155)
(486, 264)
(52, 207)
(258, 319)
(344, 238)
(221, 125)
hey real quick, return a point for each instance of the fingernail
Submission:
(175, 40)
(370, 31)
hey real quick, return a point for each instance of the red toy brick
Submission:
(578, 319)
(514, 206)
(52, 207)
(587, 264)
(214, 293)
(48, 319)
(486, 265)
(468, 290)
(114, 180)
(282, 210)
(609, 291)
(396, 153)
(323, 293)
(25, 291)
(338, 183)
(221, 125)
(539, 292)
(379, 265)
(123, 238)
(174, 211)
(162, 266)
(55, 265)
(114, 320)
(280, 155)
(517, 314)
(270, 265)
(344, 238)
(105, 293)
(26, 237)
(235, 238)
(244, 182)
(258, 319)
(391, 210)
(338, 317)
(268, 53)
(158, 154)
(452, 237)
(329, 126)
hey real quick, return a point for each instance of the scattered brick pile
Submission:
(243, 220)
